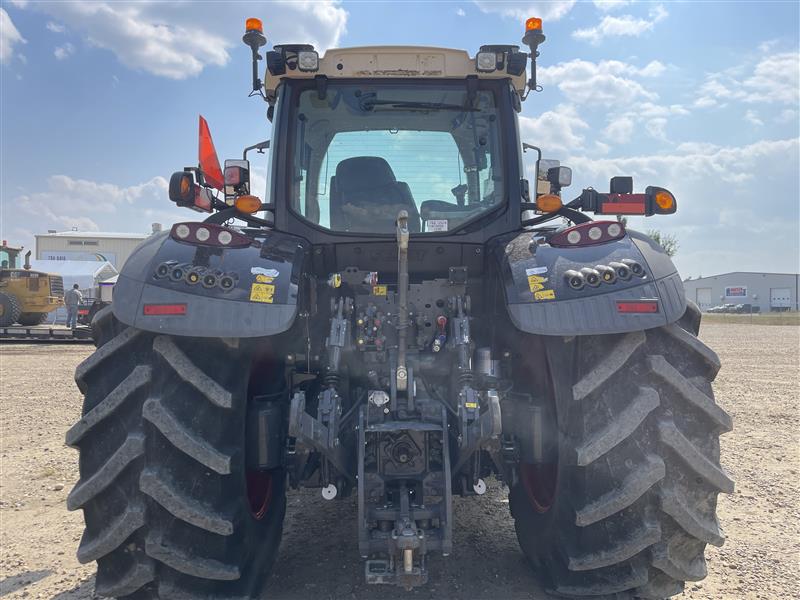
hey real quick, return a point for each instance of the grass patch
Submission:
(782, 318)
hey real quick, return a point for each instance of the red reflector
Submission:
(151, 310)
(83, 312)
(637, 306)
(625, 204)
(623, 208)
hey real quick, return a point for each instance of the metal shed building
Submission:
(768, 291)
(89, 245)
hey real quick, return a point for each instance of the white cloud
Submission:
(461, 12)
(609, 5)
(608, 83)
(602, 148)
(657, 128)
(88, 205)
(774, 79)
(557, 132)
(55, 27)
(520, 11)
(704, 102)
(752, 117)
(721, 201)
(767, 45)
(696, 162)
(625, 25)
(788, 115)
(65, 51)
(619, 130)
(169, 40)
(9, 37)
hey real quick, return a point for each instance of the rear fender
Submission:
(540, 301)
(262, 301)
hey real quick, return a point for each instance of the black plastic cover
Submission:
(539, 300)
(262, 301)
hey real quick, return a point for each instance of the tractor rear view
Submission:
(404, 317)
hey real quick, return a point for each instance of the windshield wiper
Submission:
(370, 103)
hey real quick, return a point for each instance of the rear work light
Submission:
(207, 234)
(588, 234)
(485, 62)
(637, 306)
(308, 60)
(154, 310)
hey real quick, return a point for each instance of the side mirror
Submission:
(237, 179)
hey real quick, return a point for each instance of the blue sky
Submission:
(99, 105)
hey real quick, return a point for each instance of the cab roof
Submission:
(395, 62)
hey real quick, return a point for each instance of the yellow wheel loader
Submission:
(26, 296)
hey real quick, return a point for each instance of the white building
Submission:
(95, 280)
(768, 291)
(89, 245)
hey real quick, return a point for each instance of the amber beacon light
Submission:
(253, 24)
(533, 24)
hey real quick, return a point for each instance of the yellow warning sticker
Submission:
(536, 282)
(545, 295)
(264, 279)
(471, 404)
(262, 292)
(379, 290)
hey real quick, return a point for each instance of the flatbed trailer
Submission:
(45, 334)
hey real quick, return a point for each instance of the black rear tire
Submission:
(9, 309)
(28, 319)
(634, 490)
(163, 483)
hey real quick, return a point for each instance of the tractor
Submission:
(26, 296)
(403, 318)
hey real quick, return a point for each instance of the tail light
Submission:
(637, 306)
(155, 310)
(588, 234)
(208, 234)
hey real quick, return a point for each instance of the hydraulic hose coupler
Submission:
(574, 279)
(608, 274)
(591, 276)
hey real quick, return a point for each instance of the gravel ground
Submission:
(758, 385)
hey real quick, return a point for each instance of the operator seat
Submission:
(366, 197)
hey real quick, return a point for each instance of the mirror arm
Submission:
(259, 147)
(231, 212)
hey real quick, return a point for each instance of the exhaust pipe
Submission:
(27, 265)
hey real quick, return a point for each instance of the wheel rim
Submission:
(540, 482)
(259, 493)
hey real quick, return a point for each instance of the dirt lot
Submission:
(758, 385)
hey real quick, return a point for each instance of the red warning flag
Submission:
(209, 162)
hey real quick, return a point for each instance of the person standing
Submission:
(72, 299)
